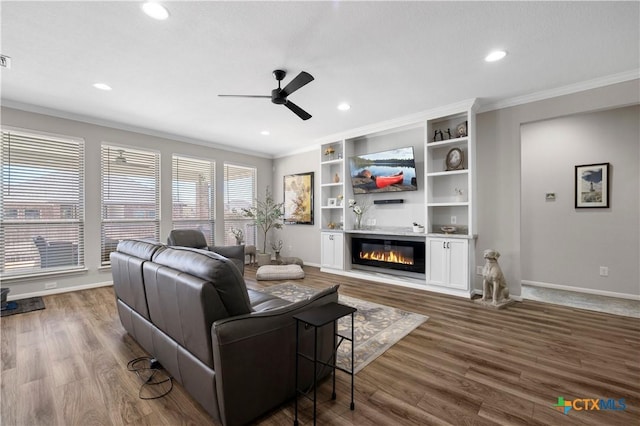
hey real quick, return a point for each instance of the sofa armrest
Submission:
(234, 253)
(254, 357)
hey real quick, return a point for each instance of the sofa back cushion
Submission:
(211, 267)
(126, 269)
(187, 238)
(188, 290)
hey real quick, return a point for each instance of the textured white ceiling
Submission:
(387, 59)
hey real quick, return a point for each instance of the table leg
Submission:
(295, 422)
(315, 372)
(353, 344)
(335, 333)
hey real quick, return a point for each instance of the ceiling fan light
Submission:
(344, 106)
(102, 86)
(265, 133)
(496, 55)
(155, 10)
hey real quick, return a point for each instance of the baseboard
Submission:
(59, 290)
(581, 290)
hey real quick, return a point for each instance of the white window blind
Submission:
(239, 193)
(193, 183)
(42, 204)
(130, 196)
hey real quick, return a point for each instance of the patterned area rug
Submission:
(377, 327)
(23, 305)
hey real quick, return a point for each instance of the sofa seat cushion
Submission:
(279, 272)
(263, 301)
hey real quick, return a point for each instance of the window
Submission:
(130, 196)
(239, 193)
(41, 176)
(193, 184)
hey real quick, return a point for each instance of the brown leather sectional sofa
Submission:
(231, 348)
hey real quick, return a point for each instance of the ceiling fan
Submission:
(279, 96)
(122, 160)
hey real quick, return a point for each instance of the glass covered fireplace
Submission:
(389, 254)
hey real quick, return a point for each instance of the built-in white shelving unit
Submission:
(449, 200)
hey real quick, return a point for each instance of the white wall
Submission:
(565, 246)
(93, 136)
(498, 169)
(301, 241)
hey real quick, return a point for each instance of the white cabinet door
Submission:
(332, 250)
(448, 262)
(458, 252)
(436, 261)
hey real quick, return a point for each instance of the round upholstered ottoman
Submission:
(279, 272)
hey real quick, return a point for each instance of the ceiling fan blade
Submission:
(300, 80)
(245, 96)
(297, 110)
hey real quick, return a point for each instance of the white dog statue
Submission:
(494, 285)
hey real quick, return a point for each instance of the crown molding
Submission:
(126, 127)
(561, 91)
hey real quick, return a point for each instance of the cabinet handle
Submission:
(444, 244)
(448, 245)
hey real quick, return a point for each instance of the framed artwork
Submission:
(332, 202)
(298, 199)
(592, 186)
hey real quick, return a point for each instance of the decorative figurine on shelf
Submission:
(459, 194)
(436, 134)
(461, 130)
(336, 178)
(329, 151)
(448, 133)
(340, 199)
(494, 286)
(418, 228)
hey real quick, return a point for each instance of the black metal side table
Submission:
(316, 318)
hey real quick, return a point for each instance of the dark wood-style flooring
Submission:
(66, 365)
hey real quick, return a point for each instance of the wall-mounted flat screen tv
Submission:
(387, 171)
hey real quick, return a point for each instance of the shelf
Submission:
(448, 173)
(336, 161)
(330, 207)
(325, 185)
(452, 204)
(448, 142)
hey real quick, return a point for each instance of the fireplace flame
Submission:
(386, 256)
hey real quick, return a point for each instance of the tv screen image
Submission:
(387, 171)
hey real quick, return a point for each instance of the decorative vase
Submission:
(336, 178)
(358, 224)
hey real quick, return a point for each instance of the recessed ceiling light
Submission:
(496, 55)
(155, 10)
(344, 106)
(265, 133)
(102, 86)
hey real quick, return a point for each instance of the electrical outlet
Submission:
(478, 270)
(49, 286)
(454, 219)
(604, 271)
